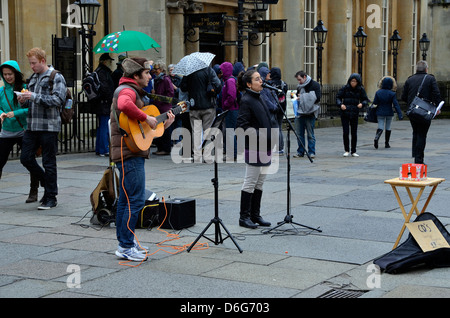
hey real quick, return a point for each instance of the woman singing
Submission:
(255, 119)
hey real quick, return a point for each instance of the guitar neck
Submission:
(163, 117)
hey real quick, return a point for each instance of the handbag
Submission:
(371, 114)
(420, 109)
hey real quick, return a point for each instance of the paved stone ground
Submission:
(346, 197)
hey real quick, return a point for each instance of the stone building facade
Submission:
(28, 23)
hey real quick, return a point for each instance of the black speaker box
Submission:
(180, 214)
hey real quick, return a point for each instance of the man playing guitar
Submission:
(129, 100)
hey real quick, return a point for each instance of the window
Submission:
(385, 37)
(309, 46)
(414, 37)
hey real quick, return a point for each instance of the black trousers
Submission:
(420, 131)
(6, 146)
(47, 175)
(350, 125)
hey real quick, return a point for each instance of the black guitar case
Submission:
(409, 255)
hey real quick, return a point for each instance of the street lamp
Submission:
(395, 45)
(89, 13)
(360, 42)
(320, 37)
(424, 44)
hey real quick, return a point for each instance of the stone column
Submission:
(337, 56)
(373, 54)
(176, 31)
(192, 41)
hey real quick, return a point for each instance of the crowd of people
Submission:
(254, 98)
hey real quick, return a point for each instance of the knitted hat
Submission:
(131, 66)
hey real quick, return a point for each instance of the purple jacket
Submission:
(164, 87)
(229, 90)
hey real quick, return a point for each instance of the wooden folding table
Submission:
(396, 182)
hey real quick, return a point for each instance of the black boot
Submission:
(34, 186)
(387, 137)
(244, 219)
(255, 214)
(377, 136)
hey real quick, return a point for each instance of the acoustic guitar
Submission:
(139, 134)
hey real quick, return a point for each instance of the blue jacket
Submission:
(385, 98)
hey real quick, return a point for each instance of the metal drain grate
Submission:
(342, 293)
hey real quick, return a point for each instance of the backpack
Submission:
(91, 86)
(67, 110)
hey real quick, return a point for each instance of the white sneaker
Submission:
(140, 249)
(131, 254)
(346, 154)
(355, 154)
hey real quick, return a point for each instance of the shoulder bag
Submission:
(420, 109)
(371, 114)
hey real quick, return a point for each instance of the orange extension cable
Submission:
(171, 237)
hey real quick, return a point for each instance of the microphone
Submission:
(265, 85)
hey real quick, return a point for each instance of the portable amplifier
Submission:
(180, 214)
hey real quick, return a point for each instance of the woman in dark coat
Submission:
(385, 98)
(256, 121)
(351, 99)
(103, 104)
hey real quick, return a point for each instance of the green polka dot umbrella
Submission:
(125, 41)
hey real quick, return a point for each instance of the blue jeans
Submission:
(384, 122)
(307, 123)
(131, 200)
(102, 141)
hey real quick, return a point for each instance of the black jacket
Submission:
(430, 90)
(254, 116)
(196, 84)
(351, 97)
(104, 101)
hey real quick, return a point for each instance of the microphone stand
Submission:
(288, 218)
(217, 221)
